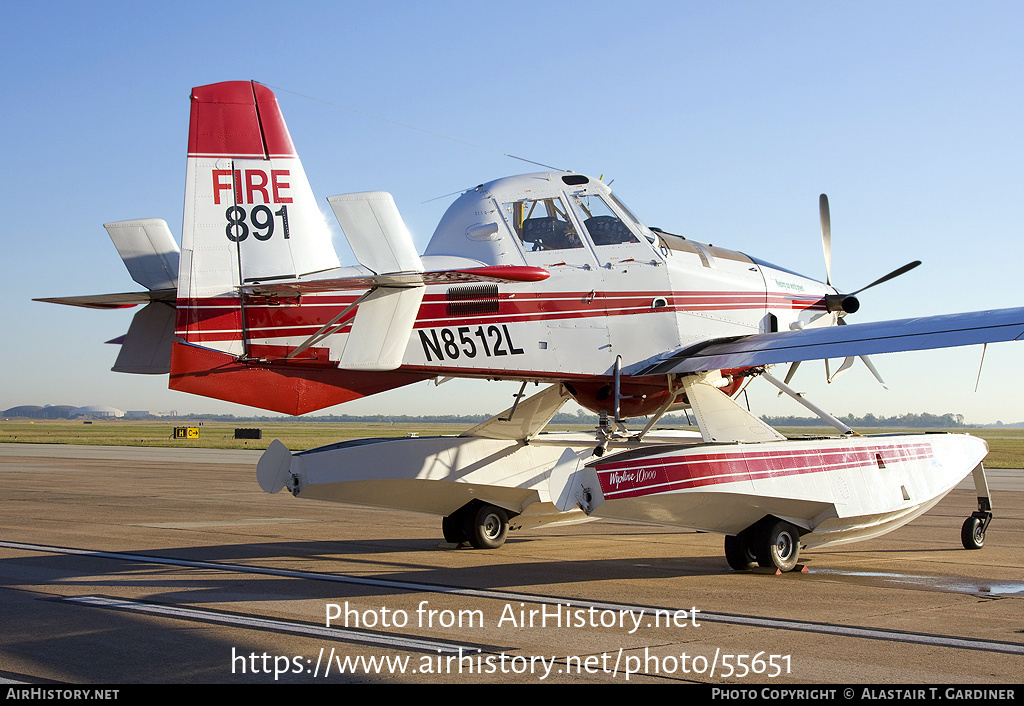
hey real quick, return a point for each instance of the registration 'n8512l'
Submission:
(467, 342)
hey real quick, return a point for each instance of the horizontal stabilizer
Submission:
(151, 256)
(125, 300)
(492, 273)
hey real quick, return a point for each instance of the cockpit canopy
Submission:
(541, 219)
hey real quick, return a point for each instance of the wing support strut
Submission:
(808, 404)
(675, 392)
(518, 396)
(329, 328)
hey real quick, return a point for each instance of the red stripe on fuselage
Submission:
(217, 318)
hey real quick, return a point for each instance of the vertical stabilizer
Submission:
(250, 215)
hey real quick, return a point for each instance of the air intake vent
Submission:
(472, 300)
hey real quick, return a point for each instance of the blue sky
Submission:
(720, 121)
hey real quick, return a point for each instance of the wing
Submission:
(842, 341)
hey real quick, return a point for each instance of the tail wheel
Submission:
(777, 546)
(739, 553)
(488, 528)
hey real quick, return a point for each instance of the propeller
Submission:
(844, 304)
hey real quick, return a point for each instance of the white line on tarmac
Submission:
(250, 621)
(731, 619)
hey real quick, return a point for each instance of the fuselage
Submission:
(617, 290)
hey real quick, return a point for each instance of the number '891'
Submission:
(260, 221)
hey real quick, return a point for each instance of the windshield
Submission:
(542, 224)
(601, 222)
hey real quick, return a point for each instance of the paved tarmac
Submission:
(136, 565)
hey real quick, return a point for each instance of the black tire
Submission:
(777, 546)
(738, 552)
(488, 528)
(454, 529)
(972, 534)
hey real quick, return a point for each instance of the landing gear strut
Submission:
(972, 534)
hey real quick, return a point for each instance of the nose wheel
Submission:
(972, 534)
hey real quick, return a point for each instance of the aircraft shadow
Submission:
(344, 559)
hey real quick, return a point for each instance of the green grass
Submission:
(1006, 445)
(297, 436)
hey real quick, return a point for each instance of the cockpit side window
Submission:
(542, 224)
(604, 226)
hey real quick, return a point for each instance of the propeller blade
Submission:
(826, 236)
(846, 365)
(895, 273)
(874, 371)
(790, 373)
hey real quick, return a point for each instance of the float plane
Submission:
(543, 278)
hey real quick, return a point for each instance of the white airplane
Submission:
(543, 278)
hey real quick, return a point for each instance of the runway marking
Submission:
(276, 625)
(725, 618)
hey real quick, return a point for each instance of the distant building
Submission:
(96, 411)
(25, 410)
(31, 411)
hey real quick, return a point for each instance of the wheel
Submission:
(777, 546)
(972, 534)
(454, 529)
(488, 528)
(738, 552)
